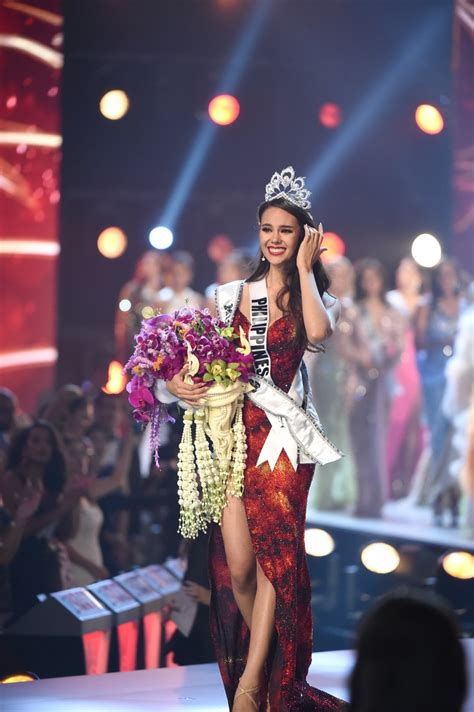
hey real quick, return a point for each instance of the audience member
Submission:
(81, 530)
(195, 648)
(8, 405)
(33, 492)
(409, 658)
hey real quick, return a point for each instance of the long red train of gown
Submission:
(275, 504)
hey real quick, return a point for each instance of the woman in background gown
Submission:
(332, 377)
(405, 441)
(377, 345)
(261, 595)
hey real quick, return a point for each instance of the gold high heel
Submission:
(249, 692)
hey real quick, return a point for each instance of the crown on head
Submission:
(285, 185)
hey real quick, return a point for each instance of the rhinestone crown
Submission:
(285, 185)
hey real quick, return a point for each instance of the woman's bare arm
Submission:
(118, 479)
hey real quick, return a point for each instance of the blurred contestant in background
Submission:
(405, 444)
(331, 375)
(437, 322)
(377, 332)
(141, 291)
(180, 292)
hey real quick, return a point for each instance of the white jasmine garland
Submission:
(190, 514)
(220, 472)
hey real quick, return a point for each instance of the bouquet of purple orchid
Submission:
(167, 341)
(217, 355)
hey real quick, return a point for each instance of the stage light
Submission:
(429, 119)
(30, 138)
(114, 105)
(224, 109)
(426, 250)
(125, 305)
(380, 558)
(34, 49)
(233, 72)
(116, 379)
(38, 248)
(112, 242)
(459, 564)
(318, 542)
(227, 4)
(373, 103)
(335, 247)
(330, 115)
(28, 357)
(161, 237)
(19, 677)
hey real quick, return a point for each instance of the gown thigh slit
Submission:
(275, 505)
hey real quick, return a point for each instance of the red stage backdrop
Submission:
(31, 61)
(463, 63)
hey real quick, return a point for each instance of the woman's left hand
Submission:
(311, 248)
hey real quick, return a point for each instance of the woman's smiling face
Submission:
(279, 235)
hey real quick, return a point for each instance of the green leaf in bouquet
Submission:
(227, 332)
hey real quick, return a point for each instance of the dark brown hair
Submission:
(54, 476)
(292, 287)
(409, 657)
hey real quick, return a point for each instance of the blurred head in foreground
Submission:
(409, 657)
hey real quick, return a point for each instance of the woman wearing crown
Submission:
(260, 609)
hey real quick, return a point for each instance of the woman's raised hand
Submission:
(191, 393)
(311, 248)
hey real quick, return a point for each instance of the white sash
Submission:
(259, 321)
(295, 428)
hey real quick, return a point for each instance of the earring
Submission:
(263, 259)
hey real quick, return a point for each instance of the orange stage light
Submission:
(19, 677)
(224, 109)
(117, 380)
(112, 242)
(335, 247)
(114, 105)
(429, 119)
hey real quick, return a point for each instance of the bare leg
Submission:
(263, 621)
(240, 557)
(254, 595)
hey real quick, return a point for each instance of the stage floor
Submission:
(183, 689)
(400, 519)
(195, 688)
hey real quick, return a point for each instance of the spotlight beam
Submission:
(374, 102)
(203, 140)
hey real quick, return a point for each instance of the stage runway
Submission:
(186, 689)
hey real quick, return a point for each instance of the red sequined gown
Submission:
(275, 503)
